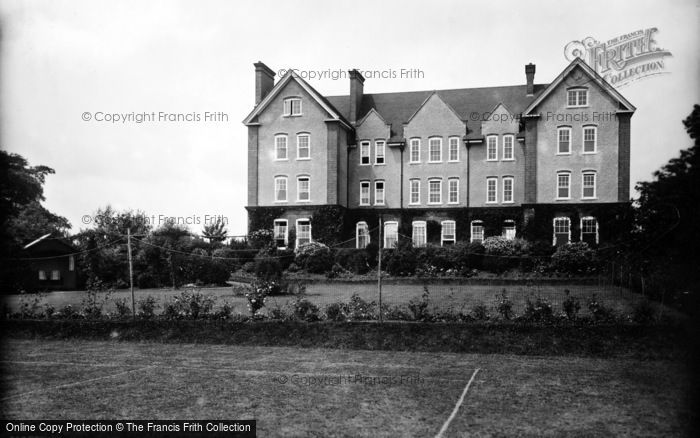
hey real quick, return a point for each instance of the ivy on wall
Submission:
(262, 218)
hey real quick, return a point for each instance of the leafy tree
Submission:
(215, 231)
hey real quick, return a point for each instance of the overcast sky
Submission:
(63, 58)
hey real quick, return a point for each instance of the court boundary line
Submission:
(456, 408)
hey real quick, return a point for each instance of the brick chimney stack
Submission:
(357, 88)
(530, 76)
(264, 81)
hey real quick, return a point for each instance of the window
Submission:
(292, 107)
(589, 139)
(589, 230)
(415, 151)
(508, 149)
(508, 189)
(435, 191)
(281, 189)
(280, 231)
(419, 234)
(379, 149)
(280, 147)
(564, 141)
(477, 232)
(391, 234)
(379, 193)
(562, 231)
(364, 153)
(71, 263)
(42, 275)
(577, 97)
(435, 150)
(303, 147)
(364, 193)
(415, 192)
(453, 191)
(303, 189)
(563, 185)
(454, 149)
(303, 231)
(491, 148)
(509, 229)
(491, 190)
(589, 189)
(55, 274)
(362, 235)
(448, 235)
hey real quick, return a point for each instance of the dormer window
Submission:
(577, 97)
(292, 106)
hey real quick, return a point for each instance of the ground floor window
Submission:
(55, 274)
(362, 235)
(303, 231)
(71, 263)
(419, 236)
(449, 233)
(509, 229)
(42, 275)
(391, 234)
(589, 230)
(562, 231)
(477, 231)
(280, 231)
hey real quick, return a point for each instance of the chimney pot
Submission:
(530, 76)
(356, 91)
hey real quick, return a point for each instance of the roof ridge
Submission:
(437, 90)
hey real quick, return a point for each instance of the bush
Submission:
(267, 268)
(504, 306)
(190, 305)
(538, 310)
(354, 260)
(400, 261)
(92, 304)
(360, 310)
(260, 238)
(419, 307)
(315, 257)
(574, 258)
(372, 250)
(335, 312)
(571, 306)
(336, 271)
(502, 254)
(30, 305)
(643, 312)
(305, 310)
(123, 307)
(224, 312)
(480, 312)
(256, 294)
(599, 311)
(146, 307)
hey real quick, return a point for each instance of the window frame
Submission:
(358, 226)
(450, 142)
(42, 275)
(568, 187)
(369, 192)
(300, 178)
(495, 190)
(512, 190)
(597, 228)
(449, 190)
(430, 193)
(510, 137)
(376, 152)
(286, 147)
(286, 232)
(595, 139)
(410, 191)
(476, 223)
(583, 184)
(415, 225)
(384, 237)
(376, 192)
(554, 229)
(430, 149)
(561, 129)
(308, 147)
(55, 275)
(286, 188)
(442, 232)
(508, 224)
(489, 147)
(297, 230)
(366, 145)
(289, 107)
(414, 142)
(577, 91)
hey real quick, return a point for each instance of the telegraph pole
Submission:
(131, 272)
(379, 270)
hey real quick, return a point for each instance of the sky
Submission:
(62, 59)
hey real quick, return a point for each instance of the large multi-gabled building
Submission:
(543, 161)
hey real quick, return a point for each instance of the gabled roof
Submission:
(48, 243)
(362, 120)
(34, 242)
(279, 86)
(434, 93)
(578, 62)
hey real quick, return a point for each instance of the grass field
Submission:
(459, 297)
(300, 392)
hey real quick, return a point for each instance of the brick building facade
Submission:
(542, 161)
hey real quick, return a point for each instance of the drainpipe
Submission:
(401, 183)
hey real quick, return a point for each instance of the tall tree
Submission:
(215, 231)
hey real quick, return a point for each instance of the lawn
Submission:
(308, 392)
(458, 297)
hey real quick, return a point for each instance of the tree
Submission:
(215, 231)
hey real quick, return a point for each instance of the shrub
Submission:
(643, 312)
(315, 257)
(224, 312)
(260, 238)
(305, 310)
(123, 307)
(336, 271)
(190, 305)
(571, 306)
(256, 295)
(504, 306)
(372, 250)
(599, 311)
(502, 254)
(68, 312)
(146, 307)
(360, 310)
(335, 312)
(30, 305)
(480, 312)
(574, 258)
(538, 310)
(354, 260)
(418, 308)
(267, 268)
(400, 261)
(92, 304)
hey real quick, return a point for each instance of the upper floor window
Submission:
(303, 147)
(303, 189)
(589, 185)
(563, 185)
(280, 147)
(391, 234)
(454, 149)
(453, 190)
(435, 150)
(477, 231)
(364, 193)
(577, 97)
(281, 189)
(414, 153)
(419, 234)
(435, 191)
(508, 189)
(303, 232)
(590, 139)
(362, 235)
(281, 232)
(292, 106)
(449, 233)
(491, 190)
(509, 229)
(415, 192)
(491, 148)
(364, 153)
(508, 148)
(564, 140)
(379, 193)
(379, 150)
